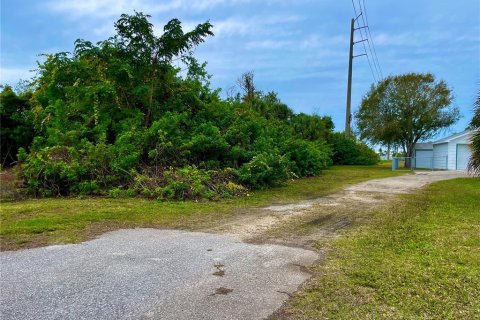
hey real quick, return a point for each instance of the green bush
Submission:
(265, 169)
(184, 183)
(86, 188)
(307, 158)
(367, 156)
(53, 171)
(351, 152)
(87, 169)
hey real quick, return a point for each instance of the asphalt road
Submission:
(150, 274)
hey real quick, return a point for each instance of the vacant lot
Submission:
(39, 222)
(417, 257)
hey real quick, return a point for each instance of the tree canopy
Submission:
(402, 110)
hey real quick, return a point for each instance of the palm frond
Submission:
(474, 163)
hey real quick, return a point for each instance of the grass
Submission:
(39, 222)
(418, 258)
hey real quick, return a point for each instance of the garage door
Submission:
(463, 156)
(423, 159)
(440, 156)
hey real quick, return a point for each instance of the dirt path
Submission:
(301, 223)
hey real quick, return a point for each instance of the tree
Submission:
(16, 129)
(246, 84)
(402, 110)
(313, 127)
(474, 164)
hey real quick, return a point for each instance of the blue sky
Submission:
(298, 48)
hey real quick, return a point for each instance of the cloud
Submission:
(93, 8)
(110, 8)
(232, 26)
(423, 38)
(12, 76)
(269, 44)
(255, 26)
(312, 47)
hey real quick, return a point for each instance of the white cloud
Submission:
(315, 45)
(233, 26)
(210, 4)
(92, 8)
(398, 39)
(113, 8)
(269, 44)
(424, 38)
(104, 8)
(255, 26)
(11, 76)
(109, 8)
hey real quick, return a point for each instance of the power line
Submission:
(375, 63)
(364, 10)
(371, 38)
(362, 39)
(373, 54)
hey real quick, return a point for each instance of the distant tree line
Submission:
(118, 118)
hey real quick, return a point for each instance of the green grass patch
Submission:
(418, 258)
(37, 222)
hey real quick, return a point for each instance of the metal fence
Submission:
(420, 163)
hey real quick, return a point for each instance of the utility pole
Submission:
(348, 115)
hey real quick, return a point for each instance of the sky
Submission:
(297, 48)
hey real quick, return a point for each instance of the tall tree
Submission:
(404, 109)
(104, 83)
(474, 164)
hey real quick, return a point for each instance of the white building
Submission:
(450, 153)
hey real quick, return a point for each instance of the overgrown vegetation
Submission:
(117, 118)
(417, 258)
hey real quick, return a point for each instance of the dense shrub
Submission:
(188, 182)
(117, 118)
(349, 151)
(366, 156)
(84, 169)
(307, 158)
(265, 169)
(54, 171)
